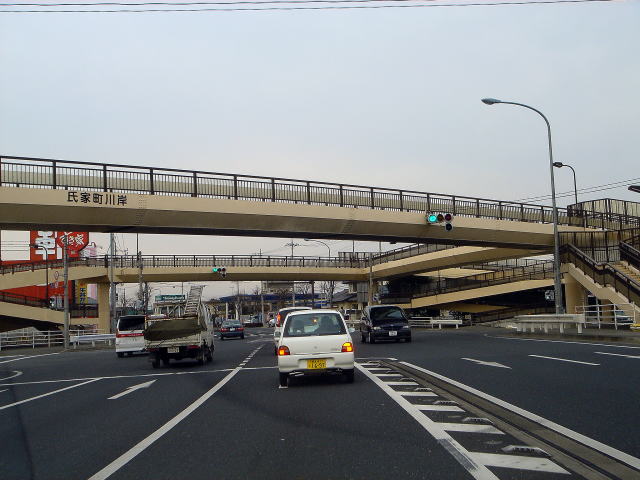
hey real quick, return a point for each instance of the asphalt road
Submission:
(227, 420)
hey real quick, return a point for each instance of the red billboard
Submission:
(43, 242)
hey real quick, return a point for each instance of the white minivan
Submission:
(315, 341)
(129, 335)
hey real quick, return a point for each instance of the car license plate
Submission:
(173, 349)
(232, 329)
(393, 333)
(317, 364)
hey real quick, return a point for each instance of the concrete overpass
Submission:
(63, 195)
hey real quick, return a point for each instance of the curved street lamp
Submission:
(556, 236)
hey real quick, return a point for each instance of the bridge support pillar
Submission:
(575, 294)
(104, 316)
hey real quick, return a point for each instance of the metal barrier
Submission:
(607, 315)
(28, 172)
(35, 338)
(424, 322)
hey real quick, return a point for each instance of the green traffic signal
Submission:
(216, 269)
(433, 218)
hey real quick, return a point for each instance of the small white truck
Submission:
(185, 331)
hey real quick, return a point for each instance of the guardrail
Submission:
(29, 172)
(611, 314)
(424, 322)
(36, 338)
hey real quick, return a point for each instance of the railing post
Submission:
(235, 187)
(195, 185)
(401, 201)
(499, 210)
(477, 208)
(308, 193)
(542, 214)
(341, 196)
(104, 178)
(428, 202)
(53, 174)
(273, 190)
(373, 203)
(151, 186)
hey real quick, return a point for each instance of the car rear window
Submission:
(314, 324)
(233, 323)
(387, 314)
(133, 322)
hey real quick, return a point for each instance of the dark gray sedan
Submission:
(231, 329)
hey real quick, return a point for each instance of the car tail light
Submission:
(278, 319)
(120, 335)
(347, 347)
(224, 329)
(283, 351)
(192, 347)
(241, 329)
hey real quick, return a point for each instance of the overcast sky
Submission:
(386, 97)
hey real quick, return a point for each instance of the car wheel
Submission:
(371, 338)
(408, 339)
(350, 375)
(363, 339)
(165, 362)
(155, 363)
(284, 379)
(120, 354)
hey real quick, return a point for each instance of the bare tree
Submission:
(303, 289)
(328, 288)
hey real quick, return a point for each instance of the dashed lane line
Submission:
(618, 355)
(578, 437)
(47, 394)
(562, 341)
(141, 446)
(564, 360)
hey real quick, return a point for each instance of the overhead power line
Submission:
(262, 5)
(592, 189)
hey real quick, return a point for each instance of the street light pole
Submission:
(65, 262)
(575, 184)
(46, 268)
(330, 285)
(556, 235)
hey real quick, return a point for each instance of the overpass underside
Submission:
(14, 316)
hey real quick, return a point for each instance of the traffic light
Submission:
(441, 219)
(222, 271)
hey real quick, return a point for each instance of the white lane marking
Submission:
(489, 364)
(618, 355)
(376, 358)
(562, 341)
(258, 368)
(518, 462)
(132, 388)
(115, 377)
(564, 360)
(3, 390)
(47, 394)
(470, 427)
(137, 449)
(578, 437)
(16, 373)
(32, 356)
(411, 384)
(477, 470)
(439, 408)
(395, 375)
(11, 356)
(417, 394)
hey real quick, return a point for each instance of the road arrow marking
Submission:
(133, 388)
(16, 373)
(489, 364)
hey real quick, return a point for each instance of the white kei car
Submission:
(315, 341)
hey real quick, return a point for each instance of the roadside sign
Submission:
(169, 298)
(549, 295)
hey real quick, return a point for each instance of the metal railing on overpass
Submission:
(408, 251)
(177, 261)
(91, 177)
(537, 271)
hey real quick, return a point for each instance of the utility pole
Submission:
(65, 261)
(112, 285)
(141, 294)
(261, 305)
(313, 294)
(370, 299)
